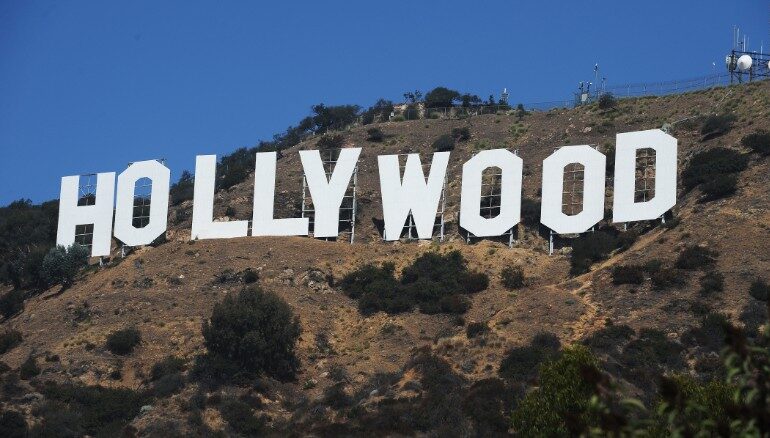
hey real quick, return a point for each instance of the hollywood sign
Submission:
(410, 193)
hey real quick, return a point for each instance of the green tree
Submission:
(441, 97)
(256, 331)
(61, 264)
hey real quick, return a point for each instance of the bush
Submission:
(250, 276)
(375, 135)
(512, 277)
(760, 289)
(330, 141)
(609, 339)
(704, 166)
(436, 283)
(380, 111)
(461, 134)
(721, 186)
(628, 274)
(256, 332)
(716, 125)
(441, 97)
(9, 339)
(234, 168)
(696, 257)
(592, 247)
(520, 363)
(28, 369)
(444, 143)
(61, 264)
(168, 385)
(759, 142)
(333, 118)
(27, 231)
(75, 410)
(560, 406)
(476, 328)
(241, 419)
(168, 366)
(182, 190)
(12, 303)
(13, 425)
(122, 342)
(607, 101)
(712, 281)
(667, 278)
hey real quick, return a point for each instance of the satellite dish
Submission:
(768, 65)
(744, 62)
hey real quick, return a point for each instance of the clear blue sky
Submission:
(88, 86)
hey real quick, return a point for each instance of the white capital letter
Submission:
(551, 214)
(328, 193)
(125, 230)
(263, 223)
(413, 194)
(510, 196)
(624, 209)
(99, 214)
(203, 225)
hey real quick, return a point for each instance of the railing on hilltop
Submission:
(662, 88)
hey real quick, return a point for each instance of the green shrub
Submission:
(696, 257)
(651, 353)
(475, 329)
(12, 303)
(75, 410)
(716, 125)
(592, 247)
(375, 135)
(169, 365)
(721, 186)
(61, 264)
(667, 278)
(333, 118)
(27, 231)
(235, 167)
(168, 385)
(704, 166)
(607, 101)
(330, 141)
(628, 274)
(760, 289)
(379, 112)
(512, 277)
(13, 425)
(123, 341)
(711, 282)
(28, 369)
(758, 141)
(435, 283)
(9, 339)
(444, 143)
(250, 276)
(240, 417)
(441, 97)
(256, 332)
(461, 134)
(520, 363)
(182, 190)
(609, 338)
(560, 406)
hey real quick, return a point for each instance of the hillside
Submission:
(379, 360)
